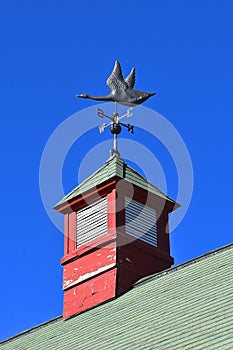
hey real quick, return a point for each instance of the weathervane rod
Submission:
(115, 144)
(115, 127)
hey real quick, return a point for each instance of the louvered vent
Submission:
(92, 221)
(140, 221)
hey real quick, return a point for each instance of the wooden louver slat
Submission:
(140, 221)
(92, 221)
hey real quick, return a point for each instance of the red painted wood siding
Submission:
(66, 234)
(89, 294)
(107, 266)
(89, 265)
(72, 232)
(112, 211)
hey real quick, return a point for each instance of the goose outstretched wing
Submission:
(130, 79)
(116, 81)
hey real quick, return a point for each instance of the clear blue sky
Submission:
(52, 50)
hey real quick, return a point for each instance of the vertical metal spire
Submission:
(115, 127)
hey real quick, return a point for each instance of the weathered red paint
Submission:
(92, 195)
(87, 247)
(66, 234)
(72, 232)
(112, 211)
(89, 265)
(87, 295)
(137, 259)
(109, 265)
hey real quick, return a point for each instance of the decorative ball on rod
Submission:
(115, 128)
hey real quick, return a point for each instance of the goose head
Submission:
(83, 96)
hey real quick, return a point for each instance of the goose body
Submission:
(122, 90)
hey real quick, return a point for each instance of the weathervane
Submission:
(122, 92)
(115, 126)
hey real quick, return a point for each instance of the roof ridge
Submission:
(115, 167)
(34, 328)
(180, 266)
(88, 178)
(150, 183)
(108, 161)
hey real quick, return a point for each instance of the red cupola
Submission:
(116, 232)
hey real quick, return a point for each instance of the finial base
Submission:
(114, 153)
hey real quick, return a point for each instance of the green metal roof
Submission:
(112, 168)
(186, 307)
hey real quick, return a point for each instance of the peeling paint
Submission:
(67, 283)
(70, 283)
(91, 293)
(111, 257)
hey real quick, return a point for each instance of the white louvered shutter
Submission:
(140, 221)
(92, 221)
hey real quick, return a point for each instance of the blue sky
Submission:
(52, 50)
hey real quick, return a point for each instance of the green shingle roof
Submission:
(112, 168)
(186, 307)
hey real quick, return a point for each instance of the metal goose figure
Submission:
(122, 90)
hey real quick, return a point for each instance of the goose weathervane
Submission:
(122, 92)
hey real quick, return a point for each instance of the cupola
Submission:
(115, 232)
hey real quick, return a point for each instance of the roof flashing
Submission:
(181, 266)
